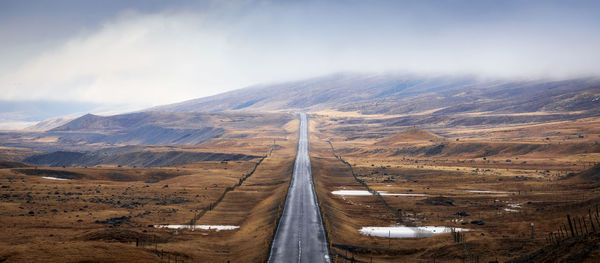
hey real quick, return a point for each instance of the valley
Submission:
(277, 131)
(430, 182)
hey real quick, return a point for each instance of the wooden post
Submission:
(559, 231)
(581, 226)
(570, 225)
(575, 226)
(591, 221)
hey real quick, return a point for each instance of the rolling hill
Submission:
(91, 132)
(408, 94)
(432, 103)
(411, 135)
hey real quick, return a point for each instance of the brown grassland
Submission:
(535, 171)
(109, 213)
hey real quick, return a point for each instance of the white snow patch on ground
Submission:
(55, 178)
(366, 193)
(514, 207)
(488, 192)
(202, 227)
(407, 231)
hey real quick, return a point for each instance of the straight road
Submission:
(300, 236)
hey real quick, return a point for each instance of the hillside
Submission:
(410, 94)
(411, 135)
(401, 101)
(131, 156)
(92, 132)
(50, 123)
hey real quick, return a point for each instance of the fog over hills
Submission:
(404, 94)
(466, 100)
(406, 100)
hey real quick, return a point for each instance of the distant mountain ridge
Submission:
(447, 101)
(92, 132)
(409, 100)
(405, 94)
(50, 123)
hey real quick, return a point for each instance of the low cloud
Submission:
(151, 59)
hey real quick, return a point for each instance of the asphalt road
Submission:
(300, 236)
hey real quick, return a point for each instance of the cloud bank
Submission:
(176, 54)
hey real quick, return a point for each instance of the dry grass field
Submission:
(110, 213)
(493, 181)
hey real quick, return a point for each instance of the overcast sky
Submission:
(145, 53)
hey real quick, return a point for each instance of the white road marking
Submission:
(299, 250)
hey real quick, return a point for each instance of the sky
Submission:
(118, 55)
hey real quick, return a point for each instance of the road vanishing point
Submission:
(300, 236)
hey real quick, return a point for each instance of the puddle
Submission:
(407, 231)
(365, 193)
(55, 178)
(488, 192)
(203, 227)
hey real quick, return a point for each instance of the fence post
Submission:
(559, 232)
(570, 225)
(591, 221)
(577, 230)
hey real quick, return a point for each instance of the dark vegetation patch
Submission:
(490, 149)
(12, 164)
(435, 150)
(439, 200)
(575, 249)
(121, 235)
(137, 158)
(592, 174)
(115, 221)
(377, 251)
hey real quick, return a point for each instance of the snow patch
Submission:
(55, 178)
(202, 227)
(407, 231)
(366, 193)
(488, 192)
